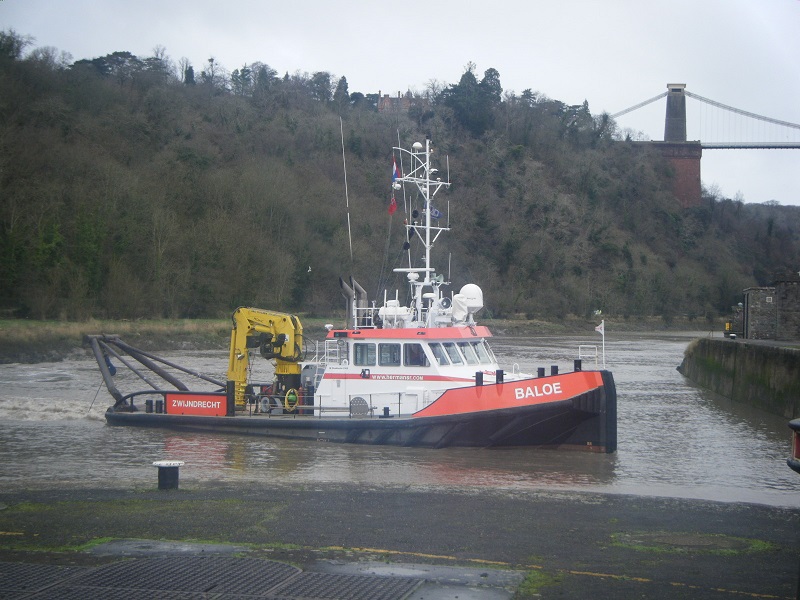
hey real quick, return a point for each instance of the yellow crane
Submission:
(279, 337)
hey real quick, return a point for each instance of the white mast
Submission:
(420, 175)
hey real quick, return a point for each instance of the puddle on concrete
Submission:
(159, 548)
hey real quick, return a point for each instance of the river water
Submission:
(674, 439)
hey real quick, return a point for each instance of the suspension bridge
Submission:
(721, 126)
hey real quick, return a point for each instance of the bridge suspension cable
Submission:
(736, 110)
(712, 103)
(640, 105)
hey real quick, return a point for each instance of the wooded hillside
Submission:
(131, 187)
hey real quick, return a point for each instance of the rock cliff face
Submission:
(763, 375)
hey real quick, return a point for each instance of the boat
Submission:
(419, 374)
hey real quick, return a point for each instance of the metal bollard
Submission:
(168, 473)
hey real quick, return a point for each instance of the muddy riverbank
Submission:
(29, 341)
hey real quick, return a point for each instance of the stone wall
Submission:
(772, 313)
(761, 312)
(787, 298)
(685, 161)
(760, 375)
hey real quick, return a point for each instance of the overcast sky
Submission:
(614, 54)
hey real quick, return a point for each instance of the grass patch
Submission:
(533, 583)
(280, 546)
(93, 543)
(690, 543)
(37, 546)
(70, 525)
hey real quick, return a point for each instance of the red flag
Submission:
(392, 206)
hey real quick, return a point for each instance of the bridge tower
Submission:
(675, 122)
(683, 156)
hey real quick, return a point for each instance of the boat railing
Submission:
(274, 406)
(359, 405)
(128, 399)
(328, 352)
(363, 317)
(383, 405)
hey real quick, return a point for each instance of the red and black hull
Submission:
(585, 421)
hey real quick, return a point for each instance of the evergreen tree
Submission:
(340, 96)
(473, 102)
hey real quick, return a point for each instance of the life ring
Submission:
(290, 400)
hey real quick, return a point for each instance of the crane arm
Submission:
(279, 336)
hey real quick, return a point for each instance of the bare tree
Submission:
(51, 57)
(12, 45)
(183, 66)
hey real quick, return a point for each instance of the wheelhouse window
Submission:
(414, 356)
(439, 354)
(389, 355)
(469, 353)
(364, 355)
(452, 353)
(482, 351)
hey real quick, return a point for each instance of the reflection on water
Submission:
(674, 438)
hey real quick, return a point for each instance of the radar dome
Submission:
(474, 297)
